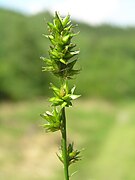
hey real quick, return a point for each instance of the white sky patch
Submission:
(120, 12)
(28, 6)
(36, 6)
(90, 11)
(124, 14)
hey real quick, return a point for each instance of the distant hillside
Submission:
(107, 58)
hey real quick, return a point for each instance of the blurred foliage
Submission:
(107, 58)
(105, 130)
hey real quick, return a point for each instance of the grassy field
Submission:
(105, 130)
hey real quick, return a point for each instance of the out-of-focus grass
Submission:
(105, 130)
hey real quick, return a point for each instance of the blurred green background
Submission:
(101, 121)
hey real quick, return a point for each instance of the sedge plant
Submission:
(61, 62)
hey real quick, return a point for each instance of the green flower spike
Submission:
(61, 62)
(62, 56)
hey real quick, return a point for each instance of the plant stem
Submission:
(64, 145)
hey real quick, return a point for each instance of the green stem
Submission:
(64, 145)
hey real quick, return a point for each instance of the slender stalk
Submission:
(64, 145)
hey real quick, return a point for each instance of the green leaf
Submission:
(73, 155)
(70, 147)
(56, 101)
(47, 61)
(60, 157)
(48, 113)
(51, 26)
(66, 39)
(71, 54)
(73, 89)
(55, 90)
(58, 21)
(49, 36)
(74, 34)
(46, 117)
(73, 72)
(71, 64)
(48, 68)
(64, 104)
(68, 28)
(71, 46)
(43, 116)
(63, 61)
(66, 20)
(72, 96)
(55, 53)
(66, 97)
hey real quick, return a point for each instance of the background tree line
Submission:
(107, 58)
